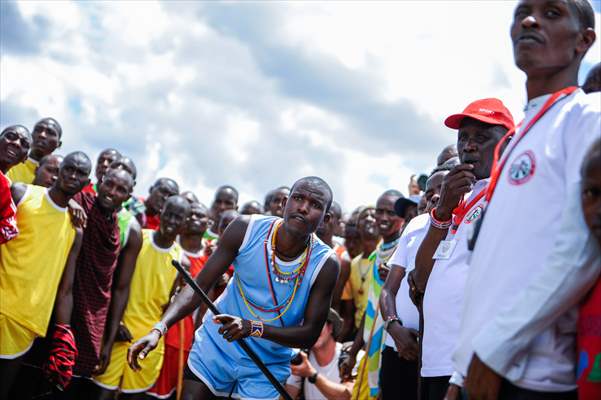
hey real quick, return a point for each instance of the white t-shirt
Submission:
(329, 371)
(404, 256)
(534, 255)
(443, 300)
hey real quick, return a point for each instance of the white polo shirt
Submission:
(534, 257)
(404, 256)
(443, 300)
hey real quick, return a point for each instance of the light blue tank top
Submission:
(250, 271)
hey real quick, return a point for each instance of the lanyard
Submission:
(462, 209)
(498, 166)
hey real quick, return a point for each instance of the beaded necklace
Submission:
(296, 275)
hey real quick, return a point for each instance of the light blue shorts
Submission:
(225, 375)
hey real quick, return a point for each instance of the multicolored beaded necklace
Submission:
(283, 277)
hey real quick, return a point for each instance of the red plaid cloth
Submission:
(59, 367)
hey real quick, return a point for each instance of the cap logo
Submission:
(485, 111)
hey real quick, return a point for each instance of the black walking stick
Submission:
(253, 356)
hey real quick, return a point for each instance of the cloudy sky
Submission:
(258, 94)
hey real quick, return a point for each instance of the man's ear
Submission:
(586, 41)
(327, 217)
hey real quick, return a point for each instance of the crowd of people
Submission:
(481, 283)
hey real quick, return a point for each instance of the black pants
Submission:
(509, 391)
(398, 377)
(434, 387)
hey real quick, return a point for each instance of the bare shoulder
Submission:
(17, 191)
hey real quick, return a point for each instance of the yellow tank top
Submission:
(150, 285)
(32, 264)
(23, 172)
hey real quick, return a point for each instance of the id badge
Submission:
(445, 249)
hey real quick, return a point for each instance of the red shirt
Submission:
(589, 345)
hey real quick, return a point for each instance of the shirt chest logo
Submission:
(474, 215)
(522, 169)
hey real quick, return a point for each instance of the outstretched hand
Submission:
(140, 349)
(233, 328)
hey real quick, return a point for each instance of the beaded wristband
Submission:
(436, 223)
(256, 328)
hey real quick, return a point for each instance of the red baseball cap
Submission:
(491, 111)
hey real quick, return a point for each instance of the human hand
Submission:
(123, 334)
(304, 369)
(481, 383)
(347, 366)
(79, 217)
(103, 360)
(140, 349)
(455, 185)
(405, 341)
(453, 392)
(233, 328)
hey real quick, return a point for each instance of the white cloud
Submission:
(259, 94)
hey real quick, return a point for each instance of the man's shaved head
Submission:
(127, 164)
(190, 196)
(49, 123)
(316, 183)
(592, 82)
(47, 171)
(336, 210)
(251, 207)
(74, 172)
(448, 152)
(78, 157)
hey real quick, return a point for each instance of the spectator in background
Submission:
(251, 207)
(15, 141)
(592, 82)
(275, 199)
(47, 171)
(317, 376)
(46, 138)
(589, 317)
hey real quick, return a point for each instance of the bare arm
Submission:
(63, 304)
(346, 368)
(187, 300)
(332, 390)
(423, 260)
(223, 256)
(455, 185)
(345, 272)
(125, 271)
(389, 291)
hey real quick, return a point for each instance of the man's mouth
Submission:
(530, 38)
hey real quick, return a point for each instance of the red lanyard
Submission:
(497, 166)
(462, 209)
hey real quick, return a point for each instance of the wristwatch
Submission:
(390, 320)
(313, 378)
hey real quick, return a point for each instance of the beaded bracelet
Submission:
(436, 223)
(256, 328)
